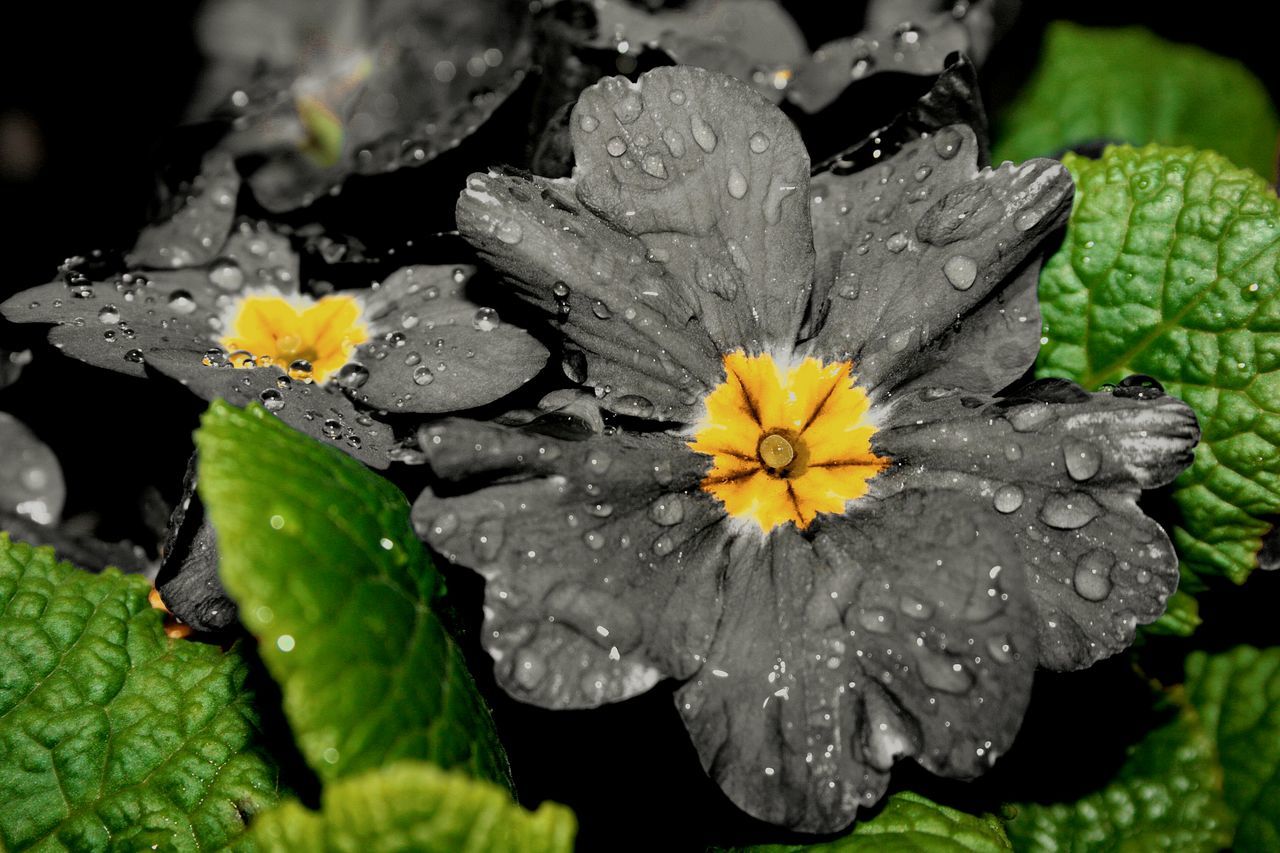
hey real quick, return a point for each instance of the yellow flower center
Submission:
(310, 342)
(786, 445)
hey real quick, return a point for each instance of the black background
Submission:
(105, 84)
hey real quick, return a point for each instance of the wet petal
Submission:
(907, 38)
(755, 41)
(924, 243)
(194, 235)
(434, 349)
(11, 364)
(371, 87)
(602, 557)
(31, 484)
(188, 580)
(1063, 470)
(325, 415)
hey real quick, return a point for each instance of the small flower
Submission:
(814, 510)
(325, 90)
(219, 307)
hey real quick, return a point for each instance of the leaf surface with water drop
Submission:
(321, 558)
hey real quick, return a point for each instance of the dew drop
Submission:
(737, 182)
(653, 165)
(961, 271)
(667, 510)
(1026, 220)
(677, 97)
(331, 428)
(226, 274)
(272, 400)
(702, 133)
(940, 673)
(485, 320)
(947, 142)
(588, 123)
(109, 315)
(663, 545)
(600, 309)
(134, 356)
(1083, 460)
(1069, 511)
(353, 375)
(914, 607)
(422, 375)
(876, 621)
(509, 232)
(758, 142)
(629, 108)
(615, 146)
(1008, 498)
(674, 142)
(300, 370)
(896, 242)
(181, 302)
(1093, 575)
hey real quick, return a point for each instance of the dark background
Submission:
(91, 96)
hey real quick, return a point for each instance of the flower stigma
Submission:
(787, 444)
(309, 339)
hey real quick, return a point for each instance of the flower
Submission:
(902, 547)
(218, 306)
(324, 90)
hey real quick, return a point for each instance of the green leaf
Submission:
(1238, 696)
(411, 806)
(321, 558)
(1127, 85)
(112, 735)
(1167, 796)
(911, 824)
(1171, 267)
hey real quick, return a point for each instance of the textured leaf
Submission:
(321, 558)
(112, 736)
(1171, 268)
(411, 806)
(1127, 85)
(1167, 796)
(1238, 697)
(911, 824)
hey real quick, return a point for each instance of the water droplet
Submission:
(876, 621)
(600, 309)
(702, 133)
(598, 462)
(109, 315)
(662, 472)
(667, 510)
(759, 143)
(1008, 498)
(509, 232)
(941, 673)
(1030, 417)
(1083, 460)
(663, 545)
(1000, 649)
(588, 123)
(300, 370)
(961, 271)
(423, 376)
(353, 375)
(331, 428)
(226, 274)
(181, 302)
(488, 539)
(1013, 451)
(1026, 220)
(485, 320)
(677, 97)
(528, 669)
(737, 182)
(615, 146)
(923, 172)
(947, 142)
(629, 108)
(896, 242)
(914, 607)
(1069, 511)
(134, 356)
(653, 165)
(594, 540)
(1093, 575)
(1139, 387)
(272, 400)
(674, 142)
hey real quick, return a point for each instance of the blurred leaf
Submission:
(412, 806)
(113, 736)
(1167, 796)
(321, 558)
(1171, 268)
(1238, 696)
(1181, 617)
(910, 824)
(1127, 85)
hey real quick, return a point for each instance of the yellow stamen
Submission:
(786, 446)
(310, 342)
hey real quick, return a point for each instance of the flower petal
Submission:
(602, 557)
(905, 38)
(188, 580)
(31, 483)
(325, 415)
(926, 242)
(434, 349)
(691, 223)
(755, 41)
(835, 658)
(1063, 469)
(194, 234)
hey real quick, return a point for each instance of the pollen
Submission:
(307, 338)
(786, 444)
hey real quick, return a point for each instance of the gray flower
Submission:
(816, 513)
(204, 298)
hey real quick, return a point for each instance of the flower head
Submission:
(839, 340)
(220, 307)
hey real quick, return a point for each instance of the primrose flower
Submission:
(816, 514)
(326, 88)
(219, 307)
